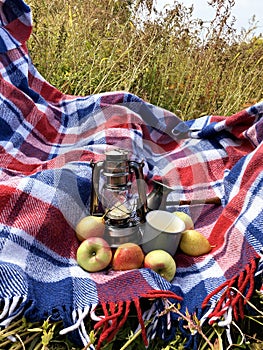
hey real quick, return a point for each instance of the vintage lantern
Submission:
(119, 194)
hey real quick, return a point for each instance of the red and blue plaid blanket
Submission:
(47, 142)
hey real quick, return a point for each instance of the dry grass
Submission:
(174, 61)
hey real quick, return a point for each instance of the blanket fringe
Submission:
(238, 291)
(114, 316)
(78, 317)
(10, 309)
(110, 324)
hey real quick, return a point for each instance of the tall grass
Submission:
(170, 59)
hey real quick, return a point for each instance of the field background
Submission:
(170, 59)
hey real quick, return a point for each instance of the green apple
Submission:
(90, 226)
(127, 256)
(94, 254)
(161, 262)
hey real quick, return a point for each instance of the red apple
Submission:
(90, 226)
(94, 254)
(127, 256)
(161, 262)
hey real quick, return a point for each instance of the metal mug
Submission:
(162, 230)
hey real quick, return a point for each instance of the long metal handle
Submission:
(94, 199)
(142, 203)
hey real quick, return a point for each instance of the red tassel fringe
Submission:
(116, 314)
(230, 298)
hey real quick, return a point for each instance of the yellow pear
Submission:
(90, 226)
(189, 224)
(193, 243)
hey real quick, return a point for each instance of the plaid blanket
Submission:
(47, 142)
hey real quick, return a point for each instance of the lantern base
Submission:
(116, 236)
